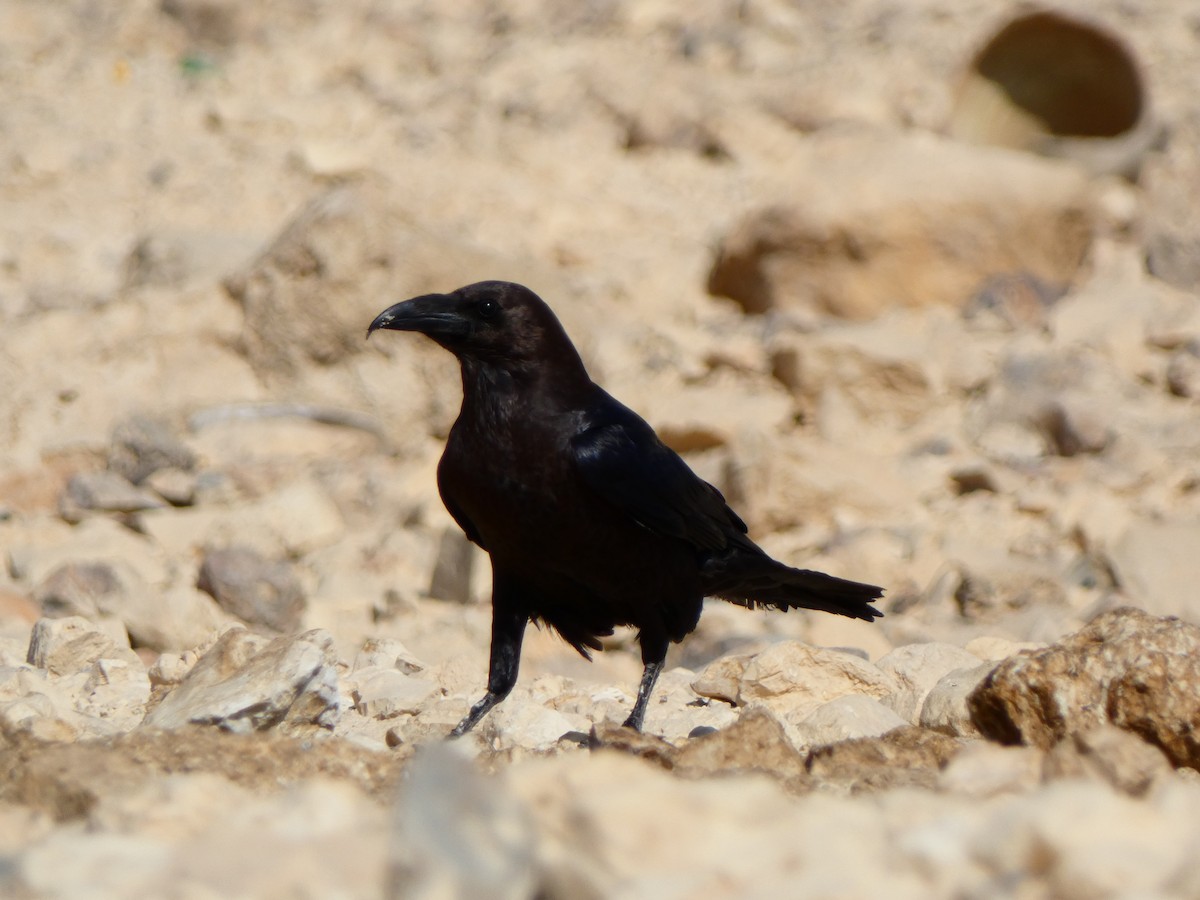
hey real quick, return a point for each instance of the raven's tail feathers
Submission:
(782, 587)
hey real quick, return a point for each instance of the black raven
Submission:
(590, 520)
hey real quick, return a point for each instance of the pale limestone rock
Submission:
(171, 668)
(522, 722)
(103, 492)
(116, 690)
(178, 618)
(614, 806)
(175, 486)
(73, 644)
(296, 519)
(845, 718)
(794, 679)
(984, 770)
(1042, 401)
(917, 668)
(841, 633)
(389, 653)
(721, 679)
(49, 729)
(17, 713)
(945, 708)
(174, 619)
(36, 702)
(995, 648)
(48, 545)
(675, 711)
(20, 680)
(855, 238)
(245, 684)
(383, 693)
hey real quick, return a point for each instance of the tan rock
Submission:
(1109, 754)
(756, 742)
(864, 238)
(602, 805)
(995, 648)
(1135, 670)
(1157, 565)
(175, 486)
(905, 756)
(793, 679)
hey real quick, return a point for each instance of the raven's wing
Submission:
(625, 463)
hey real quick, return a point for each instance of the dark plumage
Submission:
(589, 519)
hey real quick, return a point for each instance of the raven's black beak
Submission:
(432, 314)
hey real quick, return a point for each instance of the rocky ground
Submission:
(235, 621)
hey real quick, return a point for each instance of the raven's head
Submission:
(495, 324)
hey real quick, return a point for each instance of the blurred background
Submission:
(915, 284)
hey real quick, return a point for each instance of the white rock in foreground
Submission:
(460, 834)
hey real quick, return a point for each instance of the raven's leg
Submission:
(508, 628)
(654, 653)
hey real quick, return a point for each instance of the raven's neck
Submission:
(548, 386)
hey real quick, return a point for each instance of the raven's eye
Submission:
(489, 310)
